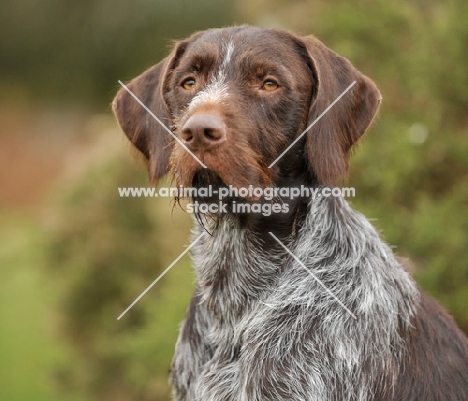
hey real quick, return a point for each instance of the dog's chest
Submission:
(233, 277)
(225, 375)
(273, 332)
(233, 272)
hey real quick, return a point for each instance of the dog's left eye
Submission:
(188, 84)
(269, 85)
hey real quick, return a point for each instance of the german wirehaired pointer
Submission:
(265, 321)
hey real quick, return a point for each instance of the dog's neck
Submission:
(283, 225)
(236, 269)
(233, 267)
(237, 259)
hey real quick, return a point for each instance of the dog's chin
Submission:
(203, 178)
(190, 173)
(206, 178)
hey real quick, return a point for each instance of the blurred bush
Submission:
(103, 252)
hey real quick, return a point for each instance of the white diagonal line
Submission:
(311, 125)
(162, 274)
(313, 275)
(162, 124)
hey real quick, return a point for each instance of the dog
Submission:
(307, 303)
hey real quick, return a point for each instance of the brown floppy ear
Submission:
(145, 133)
(330, 139)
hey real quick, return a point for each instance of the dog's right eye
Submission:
(269, 85)
(188, 84)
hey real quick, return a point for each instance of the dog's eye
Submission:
(188, 84)
(270, 85)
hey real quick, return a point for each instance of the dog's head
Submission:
(236, 98)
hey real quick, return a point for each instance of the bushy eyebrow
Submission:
(255, 69)
(200, 56)
(195, 63)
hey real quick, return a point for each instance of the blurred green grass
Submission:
(31, 345)
(28, 350)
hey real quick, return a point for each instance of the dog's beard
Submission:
(225, 166)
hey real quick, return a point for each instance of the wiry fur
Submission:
(273, 333)
(260, 327)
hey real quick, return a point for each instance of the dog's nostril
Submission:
(212, 134)
(187, 134)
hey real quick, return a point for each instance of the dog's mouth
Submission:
(207, 185)
(229, 165)
(207, 179)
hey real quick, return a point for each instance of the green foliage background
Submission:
(70, 276)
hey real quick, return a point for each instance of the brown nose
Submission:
(203, 131)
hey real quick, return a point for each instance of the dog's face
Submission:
(236, 98)
(236, 85)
